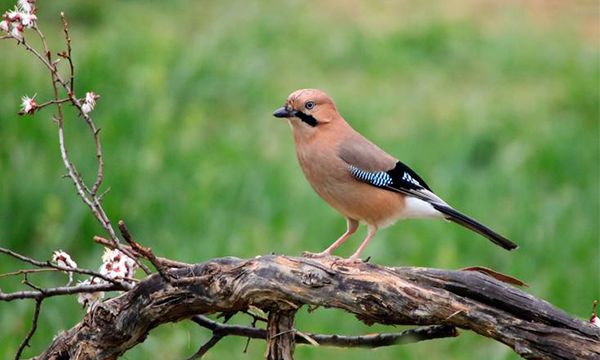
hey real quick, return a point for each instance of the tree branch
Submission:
(281, 285)
(47, 264)
(207, 346)
(363, 341)
(25, 342)
(163, 261)
(374, 294)
(280, 332)
(57, 291)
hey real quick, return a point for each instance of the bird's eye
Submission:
(309, 105)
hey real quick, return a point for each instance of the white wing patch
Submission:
(406, 177)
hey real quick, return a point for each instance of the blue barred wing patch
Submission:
(401, 178)
(377, 178)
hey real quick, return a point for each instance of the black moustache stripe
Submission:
(307, 118)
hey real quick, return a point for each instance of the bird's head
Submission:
(307, 110)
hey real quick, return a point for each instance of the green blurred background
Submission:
(494, 103)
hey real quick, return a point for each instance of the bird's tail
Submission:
(474, 225)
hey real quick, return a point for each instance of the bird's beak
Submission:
(284, 112)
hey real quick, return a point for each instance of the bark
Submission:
(280, 285)
(281, 335)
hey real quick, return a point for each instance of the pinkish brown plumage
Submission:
(356, 177)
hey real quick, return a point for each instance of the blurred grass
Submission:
(495, 103)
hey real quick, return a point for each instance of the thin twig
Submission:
(207, 346)
(89, 196)
(378, 340)
(48, 264)
(255, 319)
(93, 201)
(72, 172)
(51, 102)
(32, 285)
(145, 252)
(43, 105)
(132, 250)
(82, 190)
(57, 291)
(36, 316)
(36, 54)
(28, 271)
(69, 58)
(95, 131)
(368, 341)
(164, 261)
(101, 195)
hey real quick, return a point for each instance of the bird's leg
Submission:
(370, 234)
(351, 227)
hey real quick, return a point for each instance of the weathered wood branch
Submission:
(281, 335)
(374, 294)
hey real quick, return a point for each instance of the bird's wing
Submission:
(358, 151)
(369, 164)
(400, 179)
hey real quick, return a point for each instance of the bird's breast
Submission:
(330, 177)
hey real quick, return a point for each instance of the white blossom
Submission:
(86, 108)
(28, 106)
(13, 15)
(17, 31)
(115, 264)
(89, 103)
(28, 20)
(63, 259)
(22, 16)
(595, 320)
(26, 6)
(90, 98)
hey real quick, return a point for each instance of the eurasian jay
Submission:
(357, 178)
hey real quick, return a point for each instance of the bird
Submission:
(357, 178)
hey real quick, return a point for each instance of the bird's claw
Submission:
(324, 254)
(316, 255)
(353, 260)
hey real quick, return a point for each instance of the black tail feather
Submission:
(474, 225)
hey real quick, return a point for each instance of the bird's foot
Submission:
(316, 255)
(349, 265)
(353, 260)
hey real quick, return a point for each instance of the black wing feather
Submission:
(399, 179)
(404, 180)
(404, 177)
